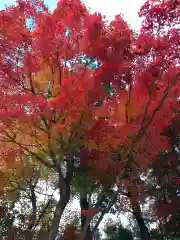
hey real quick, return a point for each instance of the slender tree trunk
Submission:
(64, 199)
(144, 232)
(134, 199)
(10, 230)
(32, 219)
(85, 206)
(64, 192)
(64, 189)
(133, 192)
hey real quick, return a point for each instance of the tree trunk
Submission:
(10, 230)
(134, 199)
(32, 219)
(85, 206)
(133, 192)
(144, 232)
(64, 189)
(64, 199)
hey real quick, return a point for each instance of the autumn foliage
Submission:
(56, 72)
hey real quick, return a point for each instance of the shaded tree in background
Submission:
(166, 175)
(115, 231)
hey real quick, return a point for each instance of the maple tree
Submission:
(84, 98)
(158, 191)
(166, 203)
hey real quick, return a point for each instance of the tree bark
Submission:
(134, 199)
(84, 204)
(64, 189)
(10, 230)
(32, 217)
(64, 199)
(133, 192)
(144, 232)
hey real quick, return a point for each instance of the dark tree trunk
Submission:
(64, 189)
(133, 192)
(144, 232)
(10, 230)
(84, 204)
(32, 220)
(64, 199)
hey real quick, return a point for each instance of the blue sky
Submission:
(129, 8)
(50, 3)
